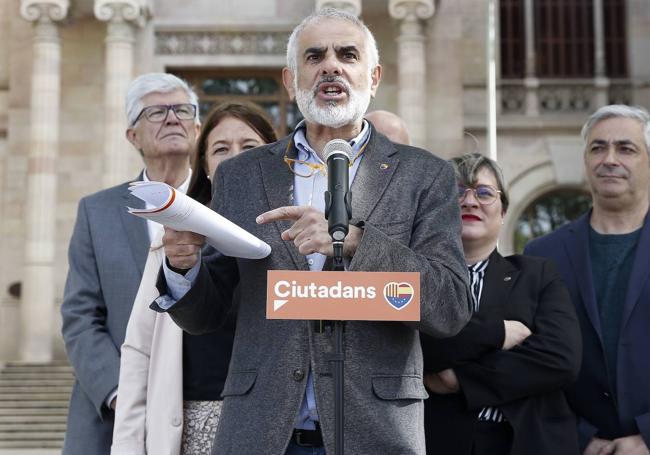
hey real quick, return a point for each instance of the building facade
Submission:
(65, 65)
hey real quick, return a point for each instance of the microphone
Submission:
(338, 208)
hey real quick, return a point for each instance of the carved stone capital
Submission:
(44, 10)
(411, 9)
(350, 6)
(136, 11)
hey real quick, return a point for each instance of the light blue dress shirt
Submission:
(311, 191)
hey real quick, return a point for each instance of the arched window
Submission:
(549, 212)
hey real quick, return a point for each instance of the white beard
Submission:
(333, 115)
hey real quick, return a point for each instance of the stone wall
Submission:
(537, 154)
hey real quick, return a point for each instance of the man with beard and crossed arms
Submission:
(279, 394)
(603, 259)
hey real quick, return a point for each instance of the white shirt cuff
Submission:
(110, 398)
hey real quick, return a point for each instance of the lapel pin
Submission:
(383, 166)
(507, 278)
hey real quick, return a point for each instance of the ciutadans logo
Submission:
(285, 289)
(398, 295)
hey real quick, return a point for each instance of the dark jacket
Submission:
(600, 411)
(526, 381)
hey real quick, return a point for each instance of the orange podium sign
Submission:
(343, 296)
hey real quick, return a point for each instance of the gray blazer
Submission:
(407, 199)
(107, 253)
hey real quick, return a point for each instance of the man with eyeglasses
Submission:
(279, 394)
(107, 255)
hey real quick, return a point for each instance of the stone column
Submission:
(37, 303)
(5, 11)
(351, 6)
(121, 16)
(601, 81)
(411, 58)
(531, 82)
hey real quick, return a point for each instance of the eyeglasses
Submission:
(484, 194)
(312, 168)
(158, 113)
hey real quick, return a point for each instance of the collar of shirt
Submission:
(306, 153)
(309, 190)
(476, 276)
(479, 266)
(182, 188)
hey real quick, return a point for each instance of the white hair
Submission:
(619, 111)
(330, 13)
(148, 83)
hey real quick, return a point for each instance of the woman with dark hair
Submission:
(229, 129)
(170, 381)
(496, 387)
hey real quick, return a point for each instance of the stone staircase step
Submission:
(30, 451)
(38, 377)
(32, 390)
(40, 382)
(30, 435)
(31, 404)
(31, 427)
(32, 418)
(27, 368)
(35, 371)
(52, 411)
(35, 396)
(30, 445)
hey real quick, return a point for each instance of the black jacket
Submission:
(526, 381)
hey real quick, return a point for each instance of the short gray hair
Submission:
(469, 165)
(330, 13)
(148, 83)
(619, 111)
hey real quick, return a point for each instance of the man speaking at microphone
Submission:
(279, 394)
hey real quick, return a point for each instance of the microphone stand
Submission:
(337, 359)
(338, 211)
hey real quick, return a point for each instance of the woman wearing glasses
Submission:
(496, 387)
(171, 382)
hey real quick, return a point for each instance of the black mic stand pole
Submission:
(338, 211)
(337, 359)
(338, 356)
